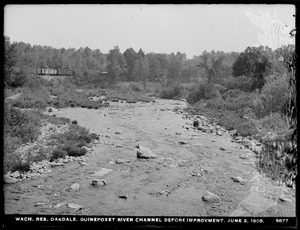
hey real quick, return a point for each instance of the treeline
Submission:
(86, 64)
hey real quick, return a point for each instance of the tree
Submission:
(141, 68)
(210, 65)
(116, 65)
(14, 71)
(251, 63)
(131, 56)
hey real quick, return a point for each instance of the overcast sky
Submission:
(189, 29)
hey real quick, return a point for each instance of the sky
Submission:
(188, 29)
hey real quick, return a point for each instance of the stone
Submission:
(53, 164)
(223, 149)
(219, 133)
(120, 161)
(196, 123)
(75, 206)
(118, 132)
(233, 132)
(16, 174)
(82, 163)
(9, 180)
(75, 186)
(96, 183)
(123, 196)
(285, 198)
(178, 133)
(58, 205)
(143, 152)
(257, 149)
(239, 180)
(245, 156)
(102, 172)
(183, 142)
(210, 197)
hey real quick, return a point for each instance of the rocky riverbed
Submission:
(198, 169)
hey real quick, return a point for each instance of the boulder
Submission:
(210, 197)
(143, 152)
(16, 174)
(9, 180)
(219, 133)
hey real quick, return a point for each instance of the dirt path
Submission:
(172, 184)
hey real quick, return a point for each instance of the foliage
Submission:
(21, 124)
(58, 153)
(202, 91)
(251, 63)
(171, 92)
(74, 151)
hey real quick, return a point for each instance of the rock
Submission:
(143, 152)
(178, 133)
(245, 156)
(9, 180)
(210, 197)
(119, 146)
(39, 204)
(118, 132)
(123, 196)
(82, 163)
(53, 164)
(239, 180)
(120, 161)
(102, 172)
(257, 149)
(219, 133)
(16, 174)
(183, 142)
(285, 198)
(96, 183)
(75, 186)
(196, 123)
(233, 132)
(221, 148)
(58, 205)
(75, 206)
(40, 186)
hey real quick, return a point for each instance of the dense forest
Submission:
(253, 65)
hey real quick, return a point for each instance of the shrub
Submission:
(11, 144)
(242, 83)
(74, 151)
(202, 91)
(21, 124)
(274, 94)
(13, 162)
(171, 92)
(274, 121)
(58, 153)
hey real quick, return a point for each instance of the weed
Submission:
(58, 153)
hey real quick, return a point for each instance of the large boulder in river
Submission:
(142, 152)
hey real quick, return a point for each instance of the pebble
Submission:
(120, 161)
(221, 148)
(123, 196)
(285, 198)
(118, 132)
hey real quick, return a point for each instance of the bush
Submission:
(274, 121)
(58, 153)
(13, 162)
(171, 92)
(11, 144)
(202, 91)
(74, 151)
(21, 124)
(231, 120)
(242, 83)
(274, 94)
